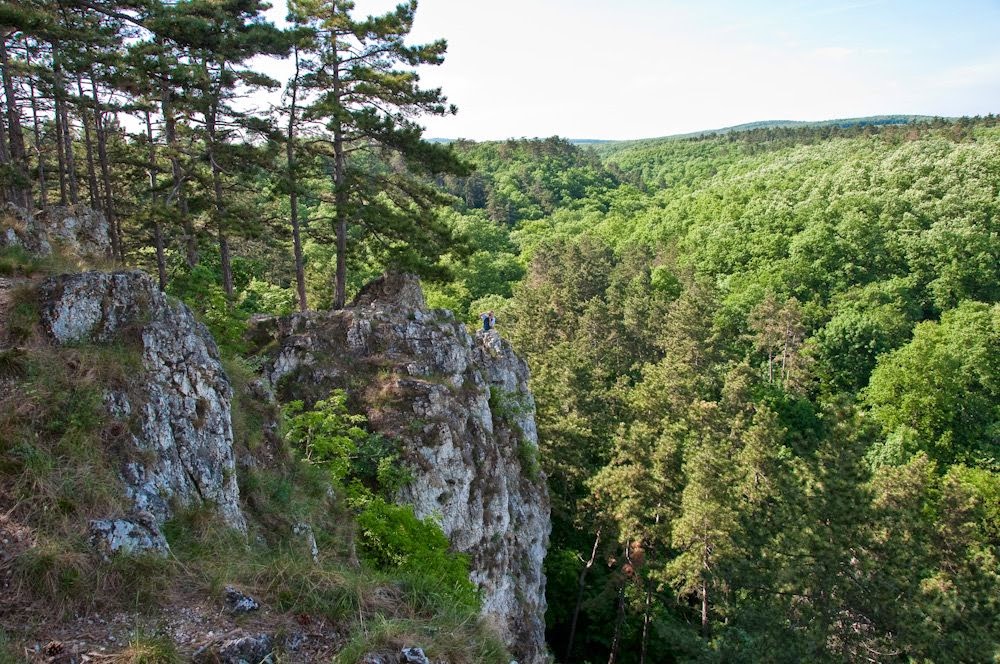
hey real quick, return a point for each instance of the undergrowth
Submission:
(8, 651)
(17, 262)
(144, 648)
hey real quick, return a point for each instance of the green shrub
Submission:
(527, 454)
(393, 538)
(328, 435)
(200, 288)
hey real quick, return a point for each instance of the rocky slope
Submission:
(461, 407)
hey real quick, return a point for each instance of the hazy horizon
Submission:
(650, 68)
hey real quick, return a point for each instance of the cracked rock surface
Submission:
(179, 448)
(461, 408)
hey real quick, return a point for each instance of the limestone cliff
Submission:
(461, 407)
(180, 448)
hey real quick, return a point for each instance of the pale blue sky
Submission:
(640, 68)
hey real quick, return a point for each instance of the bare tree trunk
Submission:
(7, 194)
(161, 264)
(293, 190)
(704, 590)
(619, 619)
(581, 585)
(102, 154)
(645, 622)
(220, 211)
(340, 198)
(67, 134)
(170, 130)
(60, 150)
(17, 154)
(646, 617)
(43, 194)
(95, 197)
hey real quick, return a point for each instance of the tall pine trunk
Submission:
(66, 135)
(161, 264)
(340, 196)
(43, 187)
(102, 155)
(293, 190)
(173, 150)
(705, 554)
(95, 197)
(16, 153)
(581, 585)
(60, 147)
(7, 194)
(211, 116)
(616, 638)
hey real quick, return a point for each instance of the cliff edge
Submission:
(461, 409)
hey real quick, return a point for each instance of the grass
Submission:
(23, 317)
(144, 648)
(59, 454)
(13, 364)
(8, 651)
(68, 576)
(250, 412)
(442, 640)
(379, 608)
(17, 262)
(57, 440)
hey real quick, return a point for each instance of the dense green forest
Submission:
(766, 363)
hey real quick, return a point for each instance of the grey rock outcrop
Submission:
(461, 409)
(128, 536)
(238, 602)
(75, 230)
(19, 229)
(413, 656)
(180, 442)
(240, 648)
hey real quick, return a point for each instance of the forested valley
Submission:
(766, 363)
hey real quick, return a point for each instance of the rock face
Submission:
(461, 407)
(76, 230)
(241, 648)
(181, 440)
(128, 536)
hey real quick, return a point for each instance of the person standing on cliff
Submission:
(489, 321)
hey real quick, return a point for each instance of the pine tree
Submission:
(218, 39)
(369, 104)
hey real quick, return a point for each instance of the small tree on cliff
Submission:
(368, 98)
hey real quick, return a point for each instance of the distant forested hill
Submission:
(766, 368)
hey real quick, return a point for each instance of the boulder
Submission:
(239, 603)
(238, 648)
(135, 536)
(76, 230)
(179, 447)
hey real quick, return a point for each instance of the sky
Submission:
(624, 69)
